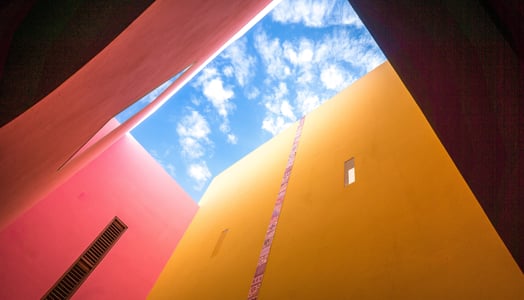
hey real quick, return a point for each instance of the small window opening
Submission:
(349, 171)
(219, 242)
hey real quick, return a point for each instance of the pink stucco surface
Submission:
(123, 181)
(168, 37)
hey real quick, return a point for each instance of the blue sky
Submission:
(298, 56)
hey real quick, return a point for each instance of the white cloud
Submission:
(307, 101)
(316, 13)
(219, 96)
(335, 78)
(228, 71)
(206, 74)
(280, 91)
(224, 127)
(200, 173)
(287, 110)
(242, 62)
(310, 13)
(275, 124)
(192, 147)
(252, 93)
(299, 54)
(341, 55)
(345, 15)
(193, 125)
(359, 50)
(274, 101)
(279, 111)
(271, 52)
(232, 139)
(319, 67)
(305, 76)
(193, 131)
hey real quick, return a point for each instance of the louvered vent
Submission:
(78, 272)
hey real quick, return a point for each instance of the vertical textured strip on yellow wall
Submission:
(270, 232)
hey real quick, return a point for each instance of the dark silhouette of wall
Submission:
(462, 62)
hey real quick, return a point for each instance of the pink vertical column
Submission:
(270, 233)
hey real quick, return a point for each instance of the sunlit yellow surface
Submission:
(408, 228)
(208, 264)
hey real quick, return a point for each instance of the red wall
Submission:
(124, 181)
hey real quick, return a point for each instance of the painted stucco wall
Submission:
(173, 34)
(239, 200)
(124, 181)
(408, 228)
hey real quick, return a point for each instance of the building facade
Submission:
(43, 243)
(408, 227)
(430, 214)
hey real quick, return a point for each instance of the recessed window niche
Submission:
(349, 171)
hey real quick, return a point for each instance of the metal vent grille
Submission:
(67, 285)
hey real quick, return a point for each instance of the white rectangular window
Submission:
(349, 172)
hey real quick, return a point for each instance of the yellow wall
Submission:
(240, 199)
(409, 228)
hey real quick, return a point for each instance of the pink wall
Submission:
(124, 181)
(171, 34)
